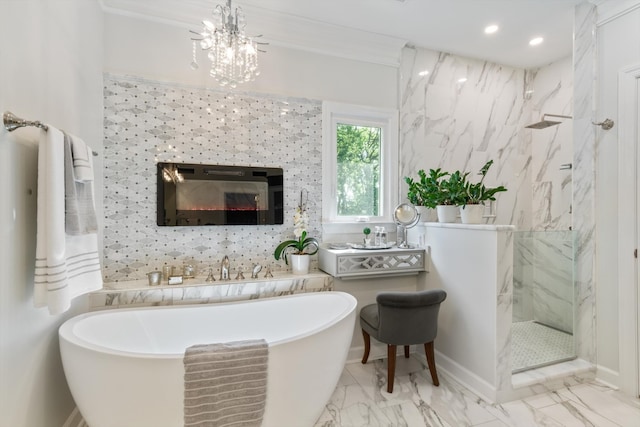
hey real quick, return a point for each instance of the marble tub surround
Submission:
(147, 121)
(138, 293)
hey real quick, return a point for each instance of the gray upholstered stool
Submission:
(403, 318)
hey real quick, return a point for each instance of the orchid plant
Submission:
(301, 245)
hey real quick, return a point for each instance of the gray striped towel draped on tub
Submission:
(225, 383)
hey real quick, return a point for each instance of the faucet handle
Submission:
(210, 277)
(240, 276)
(268, 273)
(255, 271)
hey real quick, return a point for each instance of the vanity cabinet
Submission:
(357, 263)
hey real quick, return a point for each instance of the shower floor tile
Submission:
(534, 345)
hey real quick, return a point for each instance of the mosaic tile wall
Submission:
(147, 121)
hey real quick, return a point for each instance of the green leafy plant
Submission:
(366, 231)
(427, 191)
(476, 193)
(453, 189)
(300, 246)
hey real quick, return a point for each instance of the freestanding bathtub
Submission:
(124, 366)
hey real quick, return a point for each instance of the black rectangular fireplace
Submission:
(194, 194)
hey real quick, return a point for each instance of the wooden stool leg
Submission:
(406, 351)
(431, 361)
(391, 366)
(367, 346)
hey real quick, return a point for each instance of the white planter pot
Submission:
(471, 214)
(447, 213)
(425, 213)
(299, 263)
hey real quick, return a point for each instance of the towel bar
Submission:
(13, 122)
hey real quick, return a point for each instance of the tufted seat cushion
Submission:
(403, 318)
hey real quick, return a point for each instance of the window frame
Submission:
(384, 118)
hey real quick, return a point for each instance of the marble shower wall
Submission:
(147, 121)
(543, 278)
(552, 147)
(584, 59)
(453, 124)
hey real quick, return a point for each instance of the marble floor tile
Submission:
(360, 399)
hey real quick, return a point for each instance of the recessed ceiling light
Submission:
(491, 29)
(536, 41)
(423, 73)
(462, 79)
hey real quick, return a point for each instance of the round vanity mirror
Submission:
(406, 216)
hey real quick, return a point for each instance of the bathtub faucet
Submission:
(224, 268)
(255, 271)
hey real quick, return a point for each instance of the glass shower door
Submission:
(543, 300)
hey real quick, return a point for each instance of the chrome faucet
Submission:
(255, 271)
(225, 267)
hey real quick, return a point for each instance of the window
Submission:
(360, 154)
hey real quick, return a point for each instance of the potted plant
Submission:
(426, 193)
(474, 196)
(298, 250)
(451, 195)
(367, 240)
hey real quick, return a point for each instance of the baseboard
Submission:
(468, 379)
(608, 376)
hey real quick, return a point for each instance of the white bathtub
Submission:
(124, 367)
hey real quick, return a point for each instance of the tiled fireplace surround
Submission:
(455, 126)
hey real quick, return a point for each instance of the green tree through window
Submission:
(358, 170)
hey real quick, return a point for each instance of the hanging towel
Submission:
(82, 159)
(66, 265)
(80, 213)
(225, 384)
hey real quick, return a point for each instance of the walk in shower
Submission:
(543, 309)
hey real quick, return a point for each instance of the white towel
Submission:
(82, 159)
(80, 212)
(66, 266)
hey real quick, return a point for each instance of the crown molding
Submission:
(609, 10)
(279, 29)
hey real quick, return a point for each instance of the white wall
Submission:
(51, 71)
(162, 52)
(617, 48)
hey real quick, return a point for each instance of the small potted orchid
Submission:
(298, 250)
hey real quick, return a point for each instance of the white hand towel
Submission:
(66, 266)
(82, 160)
(80, 213)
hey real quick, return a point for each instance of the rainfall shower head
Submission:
(546, 123)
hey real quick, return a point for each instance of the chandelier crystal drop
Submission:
(233, 55)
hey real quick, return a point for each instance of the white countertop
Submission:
(485, 227)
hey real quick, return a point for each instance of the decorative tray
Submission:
(370, 247)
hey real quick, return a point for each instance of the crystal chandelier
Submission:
(233, 55)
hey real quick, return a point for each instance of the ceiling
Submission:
(376, 30)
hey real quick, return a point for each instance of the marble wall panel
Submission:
(552, 147)
(459, 125)
(147, 121)
(553, 280)
(523, 261)
(584, 57)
